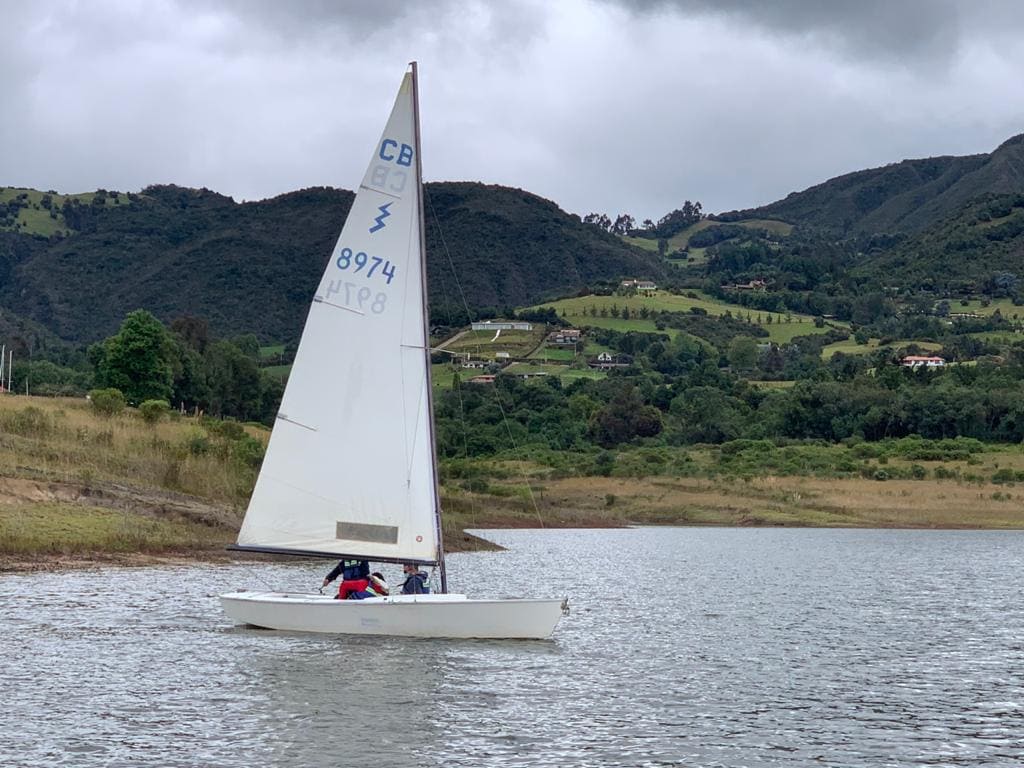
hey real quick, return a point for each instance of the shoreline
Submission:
(60, 561)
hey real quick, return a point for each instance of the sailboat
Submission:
(350, 471)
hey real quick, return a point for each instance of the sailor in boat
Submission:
(377, 587)
(355, 577)
(415, 580)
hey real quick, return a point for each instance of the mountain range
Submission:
(252, 267)
(72, 266)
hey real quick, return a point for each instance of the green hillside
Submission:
(909, 196)
(31, 212)
(724, 231)
(964, 253)
(252, 267)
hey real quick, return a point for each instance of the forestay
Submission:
(349, 467)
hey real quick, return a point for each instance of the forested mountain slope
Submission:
(252, 267)
(979, 249)
(909, 196)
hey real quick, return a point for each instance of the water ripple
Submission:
(719, 647)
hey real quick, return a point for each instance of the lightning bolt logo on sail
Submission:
(384, 213)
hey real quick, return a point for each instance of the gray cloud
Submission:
(598, 104)
(915, 32)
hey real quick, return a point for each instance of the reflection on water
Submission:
(709, 647)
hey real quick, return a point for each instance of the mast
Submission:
(426, 327)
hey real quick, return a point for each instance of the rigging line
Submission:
(465, 443)
(469, 319)
(443, 283)
(515, 449)
(447, 253)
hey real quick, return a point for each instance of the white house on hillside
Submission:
(922, 361)
(642, 286)
(502, 325)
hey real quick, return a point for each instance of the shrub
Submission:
(603, 463)
(476, 485)
(229, 430)
(1004, 475)
(107, 402)
(154, 410)
(881, 474)
(248, 450)
(197, 443)
(918, 472)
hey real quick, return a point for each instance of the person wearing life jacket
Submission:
(415, 580)
(355, 576)
(376, 587)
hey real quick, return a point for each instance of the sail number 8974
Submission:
(346, 259)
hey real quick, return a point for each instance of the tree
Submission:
(624, 418)
(624, 224)
(250, 345)
(743, 353)
(137, 360)
(190, 388)
(235, 384)
(193, 331)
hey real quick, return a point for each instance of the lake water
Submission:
(695, 647)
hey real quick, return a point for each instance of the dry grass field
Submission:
(79, 487)
(73, 482)
(769, 501)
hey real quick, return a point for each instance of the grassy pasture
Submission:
(271, 351)
(577, 313)
(998, 337)
(556, 354)
(34, 219)
(974, 306)
(851, 347)
(564, 372)
(278, 371)
(486, 344)
(682, 240)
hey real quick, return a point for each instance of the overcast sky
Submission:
(599, 105)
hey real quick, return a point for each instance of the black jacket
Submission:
(416, 584)
(350, 569)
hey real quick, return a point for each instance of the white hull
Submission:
(450, 616)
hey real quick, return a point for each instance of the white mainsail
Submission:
(349, 468)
